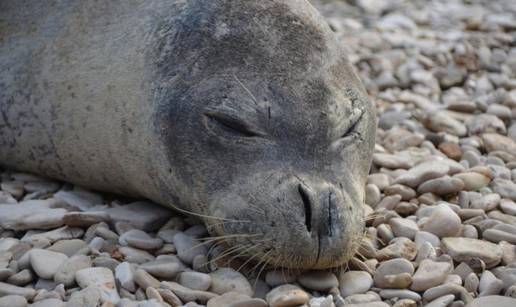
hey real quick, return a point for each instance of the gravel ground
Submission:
(441, 197)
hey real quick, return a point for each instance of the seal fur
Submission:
(246, 113)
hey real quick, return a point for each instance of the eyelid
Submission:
(354, 124)
(233, 122)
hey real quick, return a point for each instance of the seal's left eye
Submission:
(233, 124)
(352, 130)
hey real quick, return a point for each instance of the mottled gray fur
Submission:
(244, 112)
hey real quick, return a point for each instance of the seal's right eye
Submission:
(232, 124)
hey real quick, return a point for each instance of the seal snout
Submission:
(319, 207)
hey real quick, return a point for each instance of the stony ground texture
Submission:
(441, 197)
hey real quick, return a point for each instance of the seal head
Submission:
(267, 130)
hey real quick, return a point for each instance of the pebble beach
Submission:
(440, 201)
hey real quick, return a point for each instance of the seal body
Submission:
(244, 113)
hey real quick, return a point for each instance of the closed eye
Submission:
(352, 130)
(233, 124)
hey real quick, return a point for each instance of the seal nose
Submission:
(319, 207)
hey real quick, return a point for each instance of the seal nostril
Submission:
(308, 207)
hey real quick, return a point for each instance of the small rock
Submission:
(430, 274)
(287, 295)
(465, 249)
(188, 247)
(395, 273)
(66, 272)
(318, 280)
(443, 222)
(493, 300)
(354, 282)
(101, 278)
(140, 239)
(46, 263)
(422, 172)
(13, 301)
(226, 280)
(195, 280)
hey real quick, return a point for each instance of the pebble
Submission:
(235, 299)
(195, 280)
(354, 282)
(318, 280)
(65, 273)
(124, 274)
(188, 247)
(441, 186)
(7, 289)
(394, 273)
(443, 222)
(187, 295)
(13, 301)
(287, 295)
(403, 227)
(102, 279)
(140, 239)
(422, 172)
(226, 280)
(430, 274)
(493, 300)
(46, 263)
(465, 249)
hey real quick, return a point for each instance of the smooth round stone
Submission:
(508, 206)
(424, 236)
(430, 274)
(371, 304)
(66, 272)
(394, 273)
(68, 247)
(286, 296)
(441, 186)
(226, 280)
(13, 301)
(195, 280)
(140, 239)
(443, 222)
(280, 277)
(318, 280)
(399, 247)
(400, 293)
(405, 192)
(134, 255)
(403, 227)
(49, 302)
(373, 195)
(145, 280)
(465, 249)
(321, 301)
(422, 172)
(235, 299)
(85, 298)
(493, 300)
(188, 247)
(443, 301)
(380, 180)
(21, 278)
(7, 289)
(354, 282)
(164, 267)
(101, 278)
(473, 181)
(46, 263)
(124, 273)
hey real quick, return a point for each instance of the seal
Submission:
(244, 113)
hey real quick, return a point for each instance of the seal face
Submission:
(267, 128)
